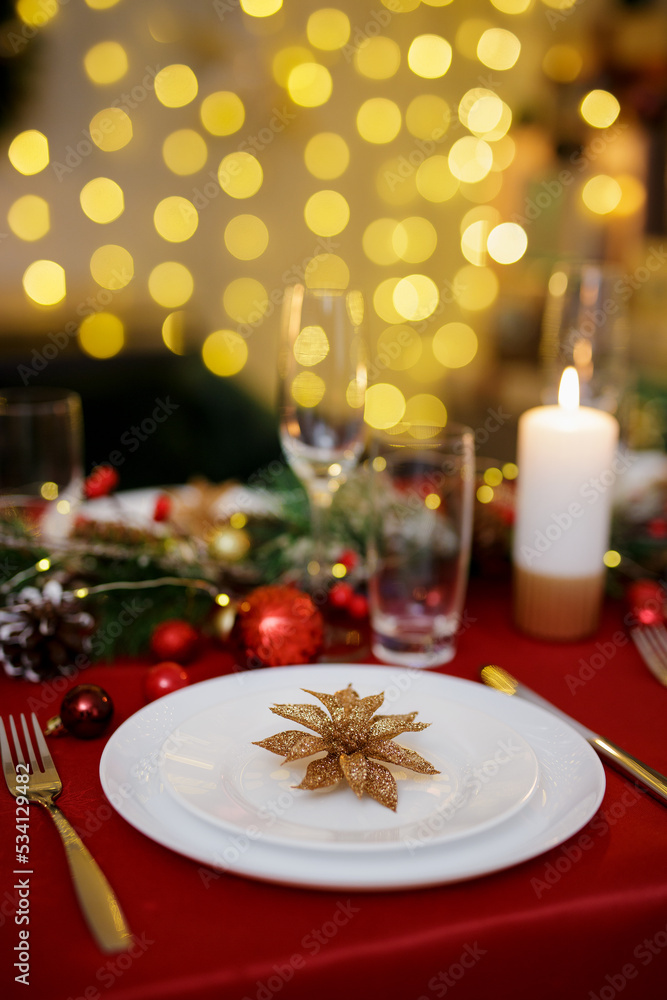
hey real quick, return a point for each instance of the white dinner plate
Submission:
(487, 772)
(569, 789)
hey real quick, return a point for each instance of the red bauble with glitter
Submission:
(86, 711)
(174, 640)
(276, 626)
(164, 678)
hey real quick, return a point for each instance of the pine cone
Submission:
(42, 632)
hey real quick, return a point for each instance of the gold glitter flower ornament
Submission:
(354, 739)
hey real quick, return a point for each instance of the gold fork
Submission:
(651, 641)
(42, 784)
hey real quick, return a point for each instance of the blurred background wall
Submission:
(169, 166)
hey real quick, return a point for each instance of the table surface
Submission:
(587, 920)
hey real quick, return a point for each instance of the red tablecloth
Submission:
(586, 920)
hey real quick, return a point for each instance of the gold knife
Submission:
(620, 759)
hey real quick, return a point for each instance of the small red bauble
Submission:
(162, 508)
(340, 595)
(164, 678)
(174, 639)
(358, 606)
(86, 711)
(647, 601)
(102, 480)
(276, 626)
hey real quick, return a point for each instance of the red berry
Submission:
(174, 639)
(340, 595)
(164, 678)
(102, 480)
(358, 606)
(162, 507)
(348, 558)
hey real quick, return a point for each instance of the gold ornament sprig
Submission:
(354, 739)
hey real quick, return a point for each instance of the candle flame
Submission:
(568, 393)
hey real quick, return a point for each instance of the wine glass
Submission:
(41, 463)
(585, 326)
(322, 369)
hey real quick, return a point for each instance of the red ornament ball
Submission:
(174, 640)
(647, 601)
(164, 678)
(276, 626)
(86, 711)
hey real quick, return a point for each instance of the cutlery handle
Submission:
(98, 902)
(619, 758)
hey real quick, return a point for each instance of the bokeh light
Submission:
(470, 159)
(309, 84)
(454, 344)
(599, 108)
(327, 213)
(377, 58)
(184, 152)
(427, 116)
(110, 129)
(562, 63)
(326, 270)
(170, 284)
(29, 217)
(240, 175)
(308, 389)
(222, 113)
(507, 243)
(112, 266)
(429, 56)
(415, 239)
(173, 331)
(425, 414)
(246, 237)
(435, 181)
(102, 200)
(379, 120)
(498, 48)
(245, 300)
(377, 241)
(29, 152)
(224, 352)
(328, 29)
(261, 8)
(327, 155)
(176, 85)
(175, 219)
(475, 288)
(44, 282)
(384, 406)
(101, 335)
(105, 63)
(601, 194)
(399, 348)
(311, 346)
(416, 297)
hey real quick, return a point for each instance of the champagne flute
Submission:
(322, 371)
(585, 327)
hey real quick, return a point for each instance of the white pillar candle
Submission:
(567, 469)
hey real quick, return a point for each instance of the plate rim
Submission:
(199, 842)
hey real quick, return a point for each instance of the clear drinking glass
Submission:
(422, 483)
(41, 454)
(585, 326)
(322, 368)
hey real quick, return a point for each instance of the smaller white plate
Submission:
(209, 764)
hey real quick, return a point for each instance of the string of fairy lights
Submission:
(429, 157)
